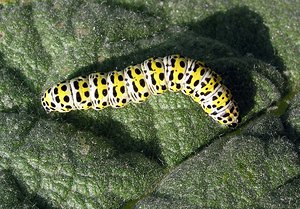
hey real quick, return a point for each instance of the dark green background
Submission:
(164, 153)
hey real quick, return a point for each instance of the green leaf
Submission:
(240, 171)
(292, 119)
(63, 167)
(165, 152)
(11, 195)
(286, 196)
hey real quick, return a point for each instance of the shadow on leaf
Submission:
(231, 42)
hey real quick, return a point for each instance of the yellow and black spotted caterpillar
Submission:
(136, 83)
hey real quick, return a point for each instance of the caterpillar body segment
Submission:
(136, 84)
(98, 90)
(154, 72)
(194, 72)
(117, 91)
(81, 93)
(175, 67)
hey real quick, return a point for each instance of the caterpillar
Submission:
(137, 83)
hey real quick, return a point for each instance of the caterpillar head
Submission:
(58, 98)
